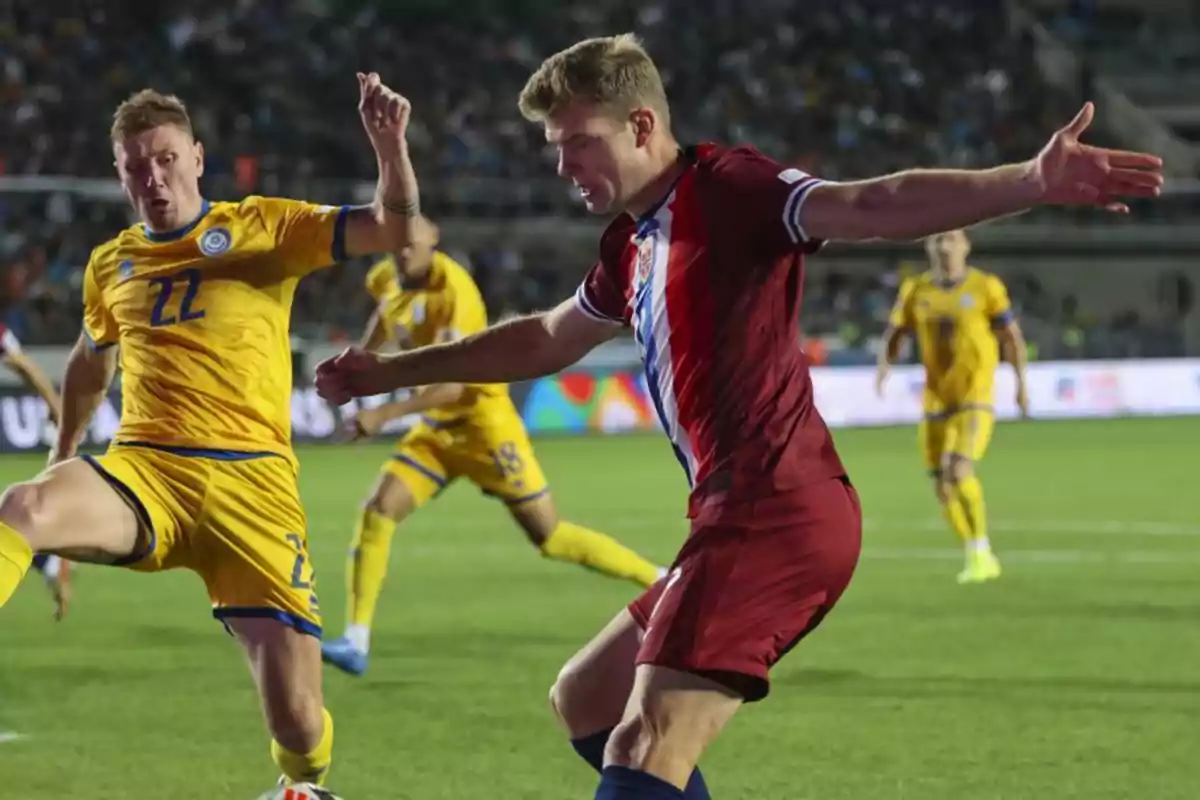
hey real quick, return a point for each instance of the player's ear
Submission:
(199, 158)
(644, 122)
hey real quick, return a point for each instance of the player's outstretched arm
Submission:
(921, 202)
(89, 373)
(33, 376)
(520, 349)
(1016, 352)
(889, 351)
(387, 225)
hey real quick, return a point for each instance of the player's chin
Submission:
(598, 204)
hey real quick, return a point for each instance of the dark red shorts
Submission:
(739, 597)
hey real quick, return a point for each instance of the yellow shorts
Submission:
(966, 432)
(492, 451)
(234, 519)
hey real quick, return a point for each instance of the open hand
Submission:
(1077, 174)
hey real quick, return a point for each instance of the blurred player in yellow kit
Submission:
(962, 320)
(201, 475)
(424, 297)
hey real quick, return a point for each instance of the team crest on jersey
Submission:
(645, 260)
(125, 270)
(966, 301)
(215, 241)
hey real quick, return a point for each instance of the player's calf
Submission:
(669, 721)
(565, 541)
(287, 670)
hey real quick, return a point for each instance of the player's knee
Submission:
(655, 738)
(389, 500)
(24, 508)
(957, 470)
(569, 699)
(537, 519)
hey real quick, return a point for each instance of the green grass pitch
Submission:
(1075, 676)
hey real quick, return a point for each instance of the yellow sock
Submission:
(15, 558)
(312, 767)
(969, 493)
(367, 566)
(596, 551)
(956, 515)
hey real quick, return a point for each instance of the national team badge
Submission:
(966, 301)
(645, 260)
(215, 241)
(125, 270)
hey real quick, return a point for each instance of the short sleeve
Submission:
(902, 312)
(99, 325)
(379, 278)
(999, 307)
(307, 236)
(767, 198)
(599, 297)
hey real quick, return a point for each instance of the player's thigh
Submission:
(495, 454)
(78, 510)
(286, 665)
(419, 469)
(931, 439)
(392, 495)
(593, 687)
(968, 435)
(252, 546)
(738, 598)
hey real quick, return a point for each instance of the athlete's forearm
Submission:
(397, 202)
(517, 350)
(375, 334)
(1018, 355)
(88, 375)
(423, 400)
(890, 350)
(37, 380)
(919, 202)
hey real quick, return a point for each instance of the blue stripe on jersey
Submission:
(203, 452)
(642, 330)
(178, 233)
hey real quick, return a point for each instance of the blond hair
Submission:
(614, 72)
(147, 110)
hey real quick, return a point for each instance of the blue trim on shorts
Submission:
(139, 509)
(428, 473)
(203, 452)
(263, 612)
(516, 501)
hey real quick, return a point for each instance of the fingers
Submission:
(1082, 120)
(1129, 159)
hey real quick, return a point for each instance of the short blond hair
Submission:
(146, 110)
(615, 72)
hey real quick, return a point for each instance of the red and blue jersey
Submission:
(710, 281)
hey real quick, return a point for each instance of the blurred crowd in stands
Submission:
(845, 88)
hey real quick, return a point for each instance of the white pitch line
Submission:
(1050, 526)
(9, 736)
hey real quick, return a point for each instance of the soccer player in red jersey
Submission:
(704, 262)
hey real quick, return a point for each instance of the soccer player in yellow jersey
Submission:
(475, 432)
(962, 320)
(201, 475)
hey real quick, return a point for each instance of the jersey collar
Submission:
(178, 233)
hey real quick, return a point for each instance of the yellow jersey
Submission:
(445, 307)
(202, 319)
(954, 325)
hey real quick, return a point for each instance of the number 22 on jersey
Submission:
(180, 288)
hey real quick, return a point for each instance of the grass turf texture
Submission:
(1074, 676)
